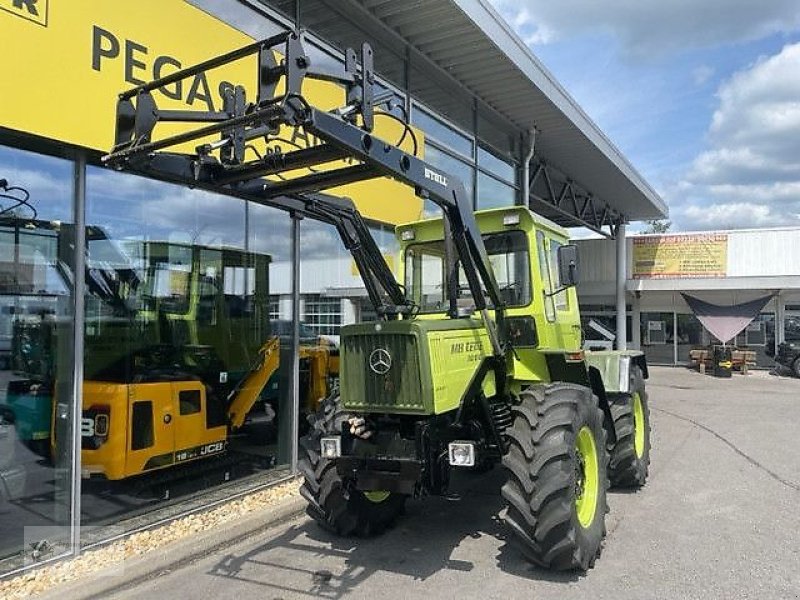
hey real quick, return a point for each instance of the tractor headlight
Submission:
(331, 447)
(462, 454)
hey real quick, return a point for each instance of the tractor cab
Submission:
(531, 258)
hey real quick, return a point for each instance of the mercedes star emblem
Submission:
(380, 361)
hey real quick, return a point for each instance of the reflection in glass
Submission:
(36, 349)
(441, 132)
(451, 165)
(493, 193)
(502, 168)
(185, 381)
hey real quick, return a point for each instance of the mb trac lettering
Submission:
(468, 347)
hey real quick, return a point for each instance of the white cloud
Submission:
(738, 215)
(653, 28)
(750, 174)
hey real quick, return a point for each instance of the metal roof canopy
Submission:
(462, 51)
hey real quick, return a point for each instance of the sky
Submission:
(702, 96)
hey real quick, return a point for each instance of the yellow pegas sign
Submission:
(72, 57)
(676, 256)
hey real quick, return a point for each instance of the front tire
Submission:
(333, 502)
(556, 466)
(796, 367)
(630, 455)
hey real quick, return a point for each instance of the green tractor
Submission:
(476, 358)
(424, 395)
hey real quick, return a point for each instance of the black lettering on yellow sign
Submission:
(31, 10)
(107, 47)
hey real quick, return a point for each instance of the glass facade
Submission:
(489, 180)
(134, 313)
(37, 309)
(177, 319)
(669, 337)
(176, 325)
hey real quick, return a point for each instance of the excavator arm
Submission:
(244, 396)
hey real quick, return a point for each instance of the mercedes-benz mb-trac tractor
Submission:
(476, 358)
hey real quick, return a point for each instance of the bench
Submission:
(741, 359)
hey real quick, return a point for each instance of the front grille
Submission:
(398, 390)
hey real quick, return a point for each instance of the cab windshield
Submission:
(426, 277)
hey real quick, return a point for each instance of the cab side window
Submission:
(547, 276)
(561, 298)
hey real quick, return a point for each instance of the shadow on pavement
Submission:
(424, 542)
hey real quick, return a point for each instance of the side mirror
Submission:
(568, 265)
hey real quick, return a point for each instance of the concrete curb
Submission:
(171, 557)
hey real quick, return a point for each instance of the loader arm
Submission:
(344, 133)
(244, 396)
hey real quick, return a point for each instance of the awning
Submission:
(726, 322)
(462, 51)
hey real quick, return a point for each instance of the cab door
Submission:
(560, 308)
(193, 436)
(151, 440)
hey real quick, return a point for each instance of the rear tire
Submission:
(333, 502)
(556, 497)
(630, 455)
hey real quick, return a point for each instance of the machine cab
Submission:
(533, 262)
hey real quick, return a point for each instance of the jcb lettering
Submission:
(87, 427)
(31, 10)
(212, 448)
(137, 67)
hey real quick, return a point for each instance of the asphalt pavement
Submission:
(719, 518)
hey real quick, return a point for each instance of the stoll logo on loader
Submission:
(31, 10)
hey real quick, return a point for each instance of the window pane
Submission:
(546, 276)
(561, 298)
(451, 165)
(441, 132)
(493, 193)
(190, 402)
(657, 331)
(502, 136)
(37, 237)
(425, 272)
(497, 166)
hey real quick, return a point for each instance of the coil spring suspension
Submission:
(502, 419)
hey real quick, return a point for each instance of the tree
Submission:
(657, 226)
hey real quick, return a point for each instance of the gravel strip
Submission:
(39, 581)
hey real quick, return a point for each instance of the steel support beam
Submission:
(78, 320)
(622, 259)
(552, 191)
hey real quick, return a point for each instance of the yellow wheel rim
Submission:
(588, 477)
(376, 496)
(638, 425)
